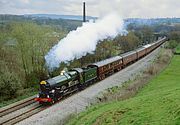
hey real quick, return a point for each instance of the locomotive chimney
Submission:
(84, 12)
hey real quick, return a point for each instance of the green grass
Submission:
(178, 49)
(158, 103)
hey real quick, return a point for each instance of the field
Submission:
(157, 104)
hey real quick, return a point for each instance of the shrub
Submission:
(9, 83)
(178, 49)
(172, 44)
(34, 77)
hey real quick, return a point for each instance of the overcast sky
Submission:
(125, 8)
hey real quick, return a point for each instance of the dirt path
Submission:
(78, 102)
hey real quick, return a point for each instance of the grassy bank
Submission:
(157, 103)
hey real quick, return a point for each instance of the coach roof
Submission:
(128, 53)
(107, 61)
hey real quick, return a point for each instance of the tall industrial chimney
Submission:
(84, 12)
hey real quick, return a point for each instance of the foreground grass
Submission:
(158, 103)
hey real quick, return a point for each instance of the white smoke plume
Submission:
(84, 39)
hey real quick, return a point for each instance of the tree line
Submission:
(22, 49)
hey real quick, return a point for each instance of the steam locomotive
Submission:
(67, 82)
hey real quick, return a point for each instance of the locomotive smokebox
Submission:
(84, 12)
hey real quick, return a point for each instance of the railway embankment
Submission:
(153, 98)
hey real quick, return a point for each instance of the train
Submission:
(76, 79)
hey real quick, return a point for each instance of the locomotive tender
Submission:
(55, 88)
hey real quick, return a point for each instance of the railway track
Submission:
(19, 111)
(16, 106)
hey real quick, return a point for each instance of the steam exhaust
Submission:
(84, 39)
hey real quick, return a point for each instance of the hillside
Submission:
(55, 16)
(157, 103)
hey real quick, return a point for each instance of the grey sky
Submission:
(125, 8)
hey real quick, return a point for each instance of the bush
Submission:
(9, 83)
(175, 35)
(172, 44)
(33, 79)
(178, 49)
